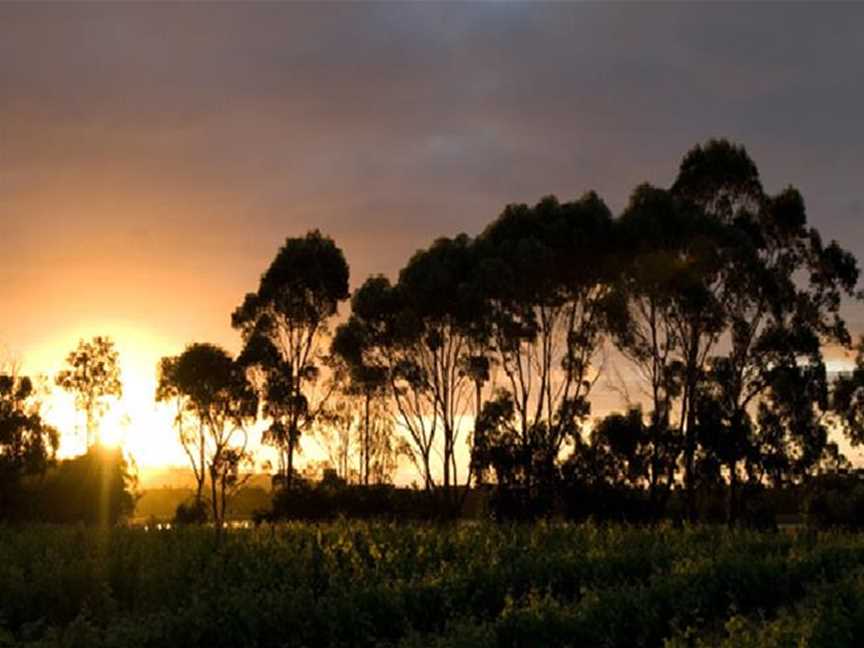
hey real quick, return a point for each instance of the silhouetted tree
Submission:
(212, 391)
(847, 399)
(379, 334)
(93, 376)
(283, 325)
(360, 443)
(173, 382)
(420, 333)
(717, 185)
(651, 237)
(361, 382)
(712, 263)
(546, 275)
(27, 444)
(442, 322)
(781, 290)
(335, 430)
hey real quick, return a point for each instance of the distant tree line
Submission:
(708, 305)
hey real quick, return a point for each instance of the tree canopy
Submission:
(283, 326)
(215, 404)
(28, 444)
(92, 374)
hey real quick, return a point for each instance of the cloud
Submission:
(143, 142)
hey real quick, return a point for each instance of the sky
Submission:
(153, 158)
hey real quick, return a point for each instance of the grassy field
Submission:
(359, 584)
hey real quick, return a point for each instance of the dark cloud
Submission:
(176, 145)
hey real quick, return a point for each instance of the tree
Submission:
(546, 273)
(444, 324)
(356, 380)
(335, 430)
(175, 383)
(358, 435)
(358, 422)
(27, 444)
(93, 376)
(283, 326)
(380, 334)
(651, 238)
(781, 290)
(213, 394)
(418, 335)
(716, 263)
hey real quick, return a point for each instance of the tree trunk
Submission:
(366, 442)
(690, 434)
(427, 469)
(199, 490)
(447, 451)
(217, 520)
(200, 493)
(90, 427)
(731, 508)
(289, 468)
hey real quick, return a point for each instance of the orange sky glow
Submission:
(153, 158)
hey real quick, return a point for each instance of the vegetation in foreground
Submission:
(375, 584)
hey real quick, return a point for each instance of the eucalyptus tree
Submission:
(92, 375)
(363, 383)
(418, 335)
(444, 316)
(780, 289)
(651, 236)
(175, 382)
(361, 445)
(728, 297)
(284, 327)
(212, 394)
(28, 444)
(690, 281)
(718, 186)
(546, 273)
(378, 334)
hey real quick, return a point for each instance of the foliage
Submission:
(215, 403)
(331, 500)
(382, 584)
(191, 511)
(95, 488)
(848, 399)
(27, 444)
(283, 325)
(93, 376)
(418, 336)
(358, 423)
(546, 273)
(835, 500)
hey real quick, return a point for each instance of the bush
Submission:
(328, 502)
(93, 488)
(835, 500)
(193, 511)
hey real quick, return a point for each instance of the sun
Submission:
(135, 422)
(112, 437)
